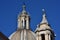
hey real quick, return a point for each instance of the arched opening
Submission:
(25, 24)
(42, 36)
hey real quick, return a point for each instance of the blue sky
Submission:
(9, 10)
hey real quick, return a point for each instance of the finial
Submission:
(24, 7)
(44, 20)
(44, 13)
(43, 10)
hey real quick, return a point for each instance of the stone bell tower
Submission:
(44, 31)
(23, 19)
(23, 31)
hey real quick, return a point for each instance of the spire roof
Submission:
(44, 20)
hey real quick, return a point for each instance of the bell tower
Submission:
(44, 31)
(23, 19)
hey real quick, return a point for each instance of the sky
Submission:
(10, 9)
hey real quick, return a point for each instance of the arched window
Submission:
(25, 24)
(42, 36)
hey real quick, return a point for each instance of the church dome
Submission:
(23, 34)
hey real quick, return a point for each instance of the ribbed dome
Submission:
(23, 35)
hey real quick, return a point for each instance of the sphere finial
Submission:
(43, 10)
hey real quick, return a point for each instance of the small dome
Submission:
(23, 35)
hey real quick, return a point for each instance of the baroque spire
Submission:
(44, 19)
(23, 19)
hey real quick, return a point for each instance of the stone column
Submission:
(19, 24)
(46, 37)
(27, 23)
(49, 37)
